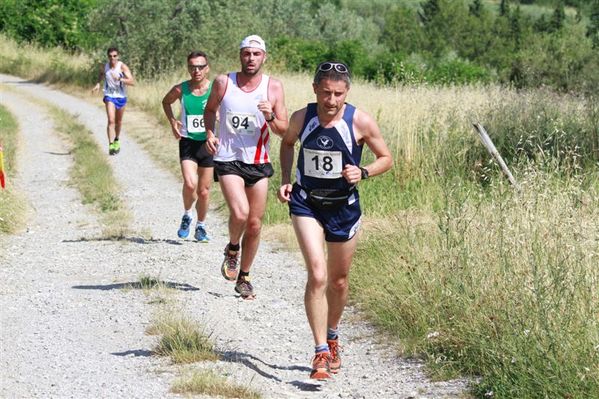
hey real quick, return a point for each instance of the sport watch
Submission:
(272, 117)
(364, 173)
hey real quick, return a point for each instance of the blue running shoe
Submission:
(184, 228)
(201, 234)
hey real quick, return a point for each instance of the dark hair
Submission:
(111, 49)
(333, 73)
(196, 54)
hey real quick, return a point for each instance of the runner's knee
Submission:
(189, 186)
(239, 216)
(339, 284)
(254, 226)
(317, 280)
(203, 192)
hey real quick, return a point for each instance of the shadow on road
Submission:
(306, 386)
(136, 240)
(250, 361)
(135, 353)
(138, 285)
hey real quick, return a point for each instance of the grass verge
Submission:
(12, 202)
(497, 284)
(208, 383)
(182, 340)
(92, 175)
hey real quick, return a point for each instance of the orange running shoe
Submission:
(334, 348)
(320, 366)
(230, 266)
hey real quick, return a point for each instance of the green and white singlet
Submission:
(192, 112)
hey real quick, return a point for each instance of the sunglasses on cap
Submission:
(338, 66)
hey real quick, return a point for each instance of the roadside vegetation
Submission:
(92, 175)
(181, 339)
(464, 271)
(186, 342)
(12, 202)
(207, 382)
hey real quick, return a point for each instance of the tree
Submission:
(593, 28)
(516, 27)
(558, 18)
(48, 22)
(430, 8)
(504, 8)
(401, 32)
(476, 8)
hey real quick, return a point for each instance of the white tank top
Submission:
(112, 87)
(243, 131)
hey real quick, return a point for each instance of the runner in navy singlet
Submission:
(324, 202)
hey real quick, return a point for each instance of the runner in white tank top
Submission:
(250, 104)
(243, 131)
(113, 86)
(116, 76)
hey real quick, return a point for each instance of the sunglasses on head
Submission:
(196, 67)
(327, 66)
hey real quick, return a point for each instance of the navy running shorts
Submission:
(339, 224)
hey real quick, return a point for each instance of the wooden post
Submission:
(484, 136)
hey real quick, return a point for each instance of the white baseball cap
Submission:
(254, 41)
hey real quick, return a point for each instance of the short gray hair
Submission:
(332, 70)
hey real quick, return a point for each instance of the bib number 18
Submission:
(322, 164)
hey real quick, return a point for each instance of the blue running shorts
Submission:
(339, 224)
(119, 102)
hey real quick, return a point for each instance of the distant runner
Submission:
(250, 104)
(324, 202)
(196, 163)
(116, 76)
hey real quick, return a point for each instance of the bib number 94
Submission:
(242, 123)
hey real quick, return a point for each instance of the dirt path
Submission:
(70, 328)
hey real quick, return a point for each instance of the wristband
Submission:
(364, 173)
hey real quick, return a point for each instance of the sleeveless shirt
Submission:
(192, 112)
(325, 151)
(112, 87)
(243, 131)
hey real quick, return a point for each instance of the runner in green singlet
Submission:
(196, 162)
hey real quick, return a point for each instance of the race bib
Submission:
(323, 164)
(241, 123)
(195, 124)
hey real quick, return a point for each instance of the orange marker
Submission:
(2, 182)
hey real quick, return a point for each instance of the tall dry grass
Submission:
(497, 284)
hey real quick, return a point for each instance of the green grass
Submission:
(496, 284)
(183, 340)
(208, 383)
(92, 175)
(12, 202)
